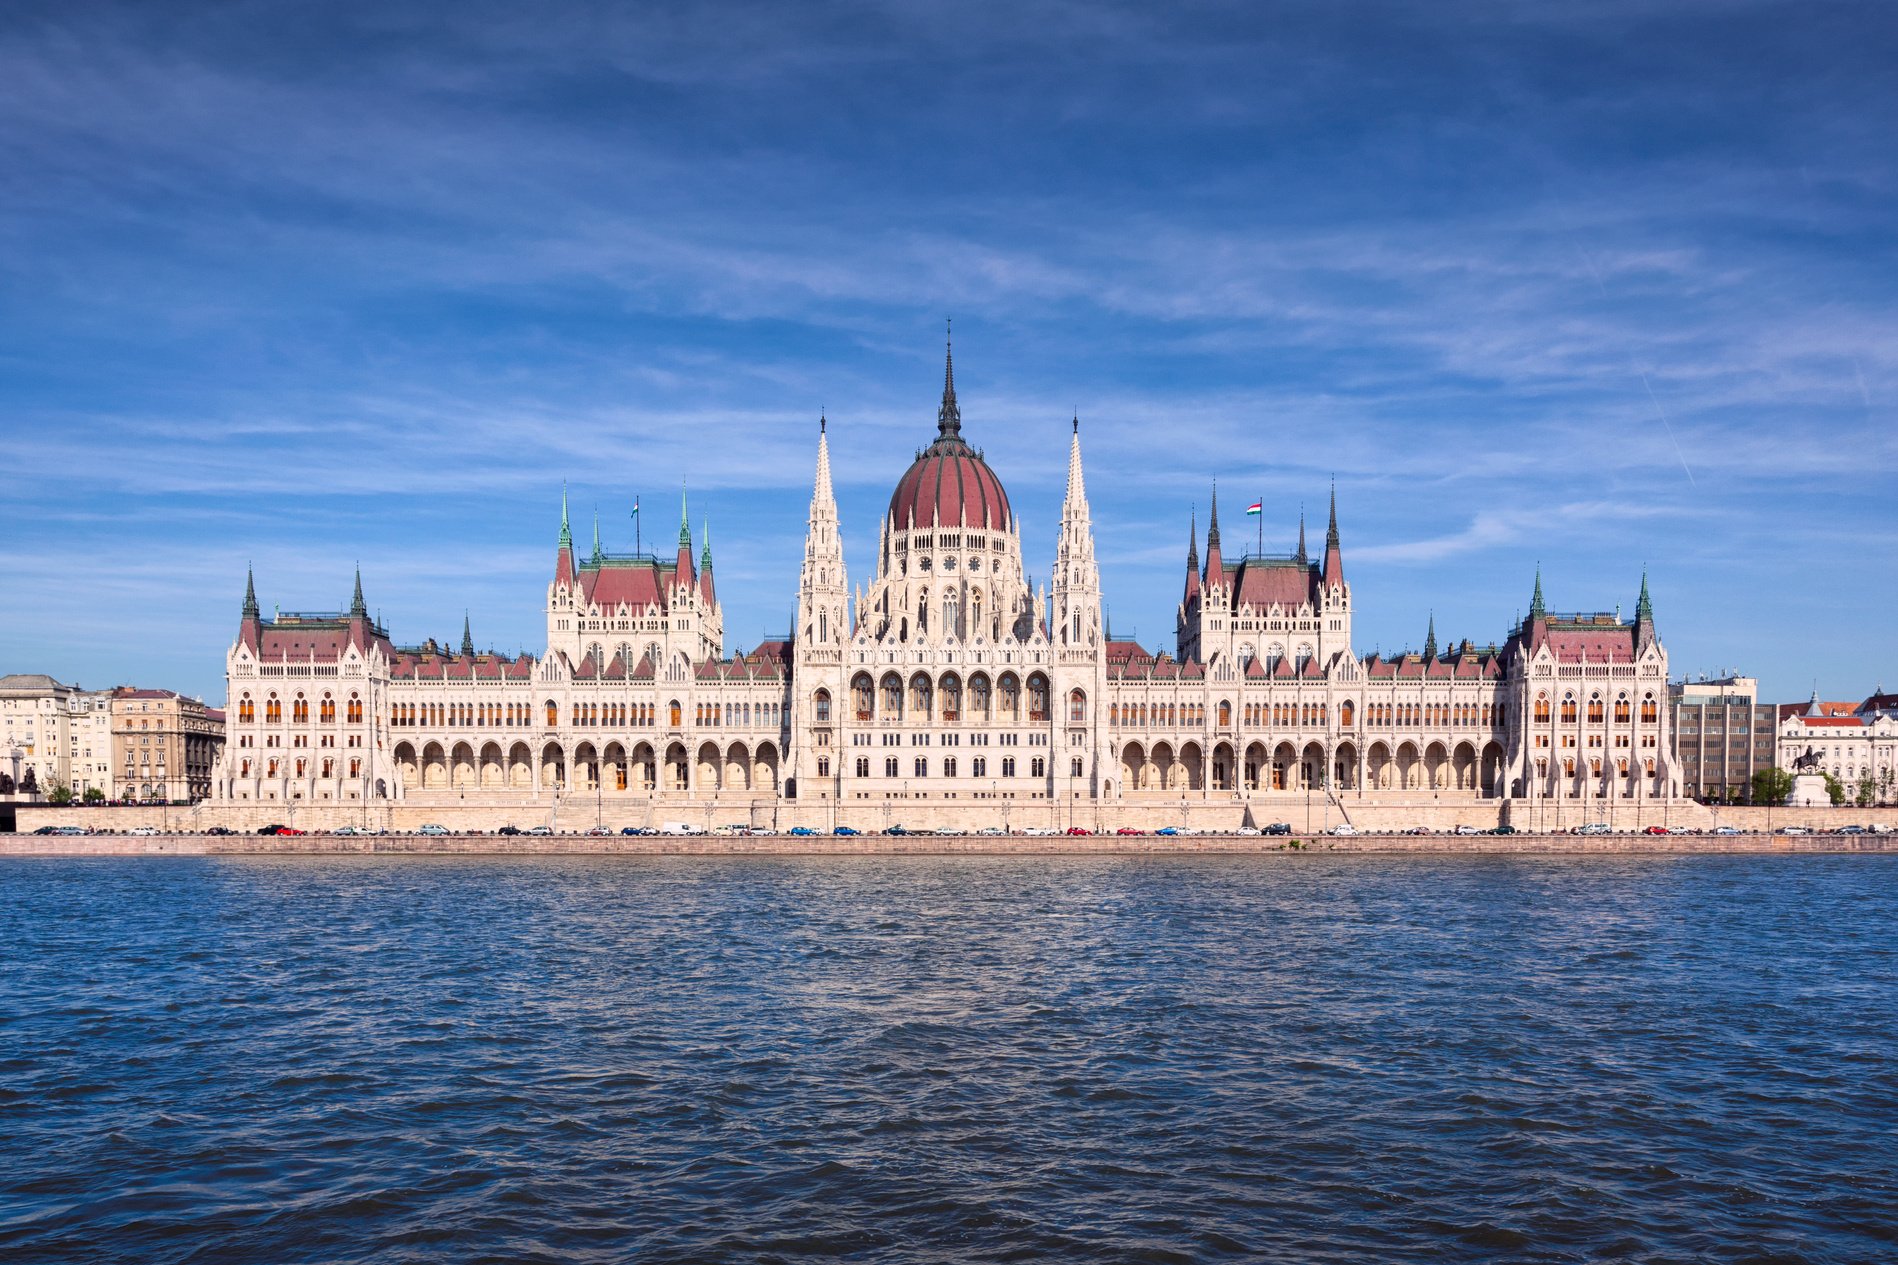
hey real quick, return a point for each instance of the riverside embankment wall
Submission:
(920, 845)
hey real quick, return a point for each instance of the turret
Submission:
(564, 569)
(682, 575)
(1643, 618)
(1430, 640)
(467, 637)
(1334, 556)
(705, 567)
(1192, 561)
(1215, 563)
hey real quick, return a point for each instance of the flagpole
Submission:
(1261, 517)
(636, 548)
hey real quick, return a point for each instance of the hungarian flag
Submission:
(1257, 507)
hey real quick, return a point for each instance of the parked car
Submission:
(431, 829)
(847, 832)
(1592, 828)
(1850, 830)
(1464, 828)
(47, 830)
(540, 830)
(1279, 828)
(142, 830)
(1079, 830)
(1168, 831)
(1344, 828)
(1792, 830)
(1726, 830)
(596, 831)
(801, 831)
(895, 830)
(1129, 830)
(269, 830)
(991, 830)
(1504, 830)
(1655, 830)
(220, 830)
(291, 830)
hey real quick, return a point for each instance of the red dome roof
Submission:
(949, 483)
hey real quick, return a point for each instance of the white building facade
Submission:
(951, 678)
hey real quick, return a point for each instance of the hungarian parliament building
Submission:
(950, 681)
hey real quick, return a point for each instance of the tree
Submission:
(1885, 779)
(1772, 786)
(59, 793)
(1865, 792)
(94, 795)
(1835, 790)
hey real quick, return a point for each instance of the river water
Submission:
(949, 1059)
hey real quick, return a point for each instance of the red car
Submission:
(1656, 830)
(291, 830)
(1079, 830)
(1129, 830)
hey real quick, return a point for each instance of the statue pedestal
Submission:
(1809, 791)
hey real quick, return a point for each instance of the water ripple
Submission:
(917, 1059)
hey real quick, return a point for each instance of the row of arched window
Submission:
(923, 698)
(1597, 710)
(299, 710)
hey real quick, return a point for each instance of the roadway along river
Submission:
(1326, 1058)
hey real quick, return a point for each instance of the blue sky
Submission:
(1605, 286)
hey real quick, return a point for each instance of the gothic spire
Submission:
(598, 553)
(949, 417)
(705, 555)
(1077, 487)
(1334, 555)
(1536, 609)
(1192, 556)
(685, 527)
(467, 636)
(356, 605)
(1301, 533)
(250, 593)
(821, 495)
(1212, 532)
(1430, 640)
(1644, 609)
(566, 530)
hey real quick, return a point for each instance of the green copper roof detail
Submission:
(566, 531)
(1536, 609)
(1644, 609)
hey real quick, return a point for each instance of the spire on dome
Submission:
(250, 593)
(467, 636)
(705, 555)
(949, 417)
(356, 605)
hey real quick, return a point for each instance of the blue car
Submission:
(802, 830)
(1167, 830)
(845, 831)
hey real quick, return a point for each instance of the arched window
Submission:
(1037, 697)
(820, 707)
(675, 713)
(890, 702)
(1568, 709)
(1623, 713)
(553, 715)
(951, 698)
(1594, 709)
(1077, 707)
(921, 696)
(979, 698)
(1542, 709)
(1649, 713)
(1225, 712)
(862, 695)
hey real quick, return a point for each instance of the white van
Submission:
(678, 828)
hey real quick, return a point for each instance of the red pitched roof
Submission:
(1265, 582)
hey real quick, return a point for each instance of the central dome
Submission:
(949, 484)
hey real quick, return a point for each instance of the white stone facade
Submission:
(950, 681)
